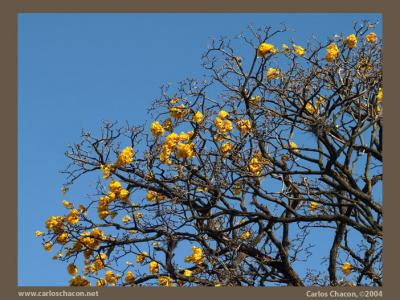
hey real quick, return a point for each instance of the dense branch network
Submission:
(240, 176)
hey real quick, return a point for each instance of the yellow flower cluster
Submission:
(129, 277)
(157, 129)
(255, 101)
(178, 112)
(256, 163)
(245, 235)
(100, 262)
(171, 144)
(101, 282)
(332, 52)
(197, 256)
(62, 238)
(165, 281)
(313, 206)
(222, 123)
(67, 204)
(285, 48)
(264, 49)
(187, 273)
(273, 73)
(299, 50)
(243, 126)
(154, 267)
(47, 246)
(55, 223)
(198, 117)
(310, 107)
(351, 41)
(72, 269)
(73, 217)
(79, 281)
(107, 170)
(153, 196)
(293, 147)
(225, 148)
(125, 157)
(39, 233)
(126, 219)
(141, 257)
(90, 240)
(347, 268)
(371, 38)
(185, 150)
(111, 278)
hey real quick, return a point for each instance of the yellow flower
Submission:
(217, 285)
(47, 246)
(126, 219)
(184, 137)
(371, 38)
(62, 238)
(197, 256)
(332, 52)
(106, 169)
(165, 281)
(153, 196)
(223, 114)
(185, 150)
(100, 261)
(245, 235)
(153, 267)
(125, 157)
(255, 165)
(141, 257)
(313, 206)
(320, 102)
(178, 112)
(110, 277)
(157, 129)
(293, 147)
(167, 125)
(73, 217)
(79, 281)
(273, 73)
(285, 48)
(310, 108)
(123, 194)
(264, 49)
(138, 215)
(174, 100)
(198, 117)
(347, 268)
(187, 273)
(72, 269)
(243, 126)
(351, 41)
(115, 186)
(55, 223)
(379, 95)
(254, 101)
(67, 204)
(101, 282)
(299, 50)
(129, 277)
(39, 233)
(225, 148)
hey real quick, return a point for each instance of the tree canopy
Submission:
(238, 173)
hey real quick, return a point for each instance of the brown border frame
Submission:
(8, 122)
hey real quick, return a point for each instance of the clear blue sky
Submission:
(75, 70)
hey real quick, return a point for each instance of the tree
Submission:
(237, 172)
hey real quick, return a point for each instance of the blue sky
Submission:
(75, 70)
